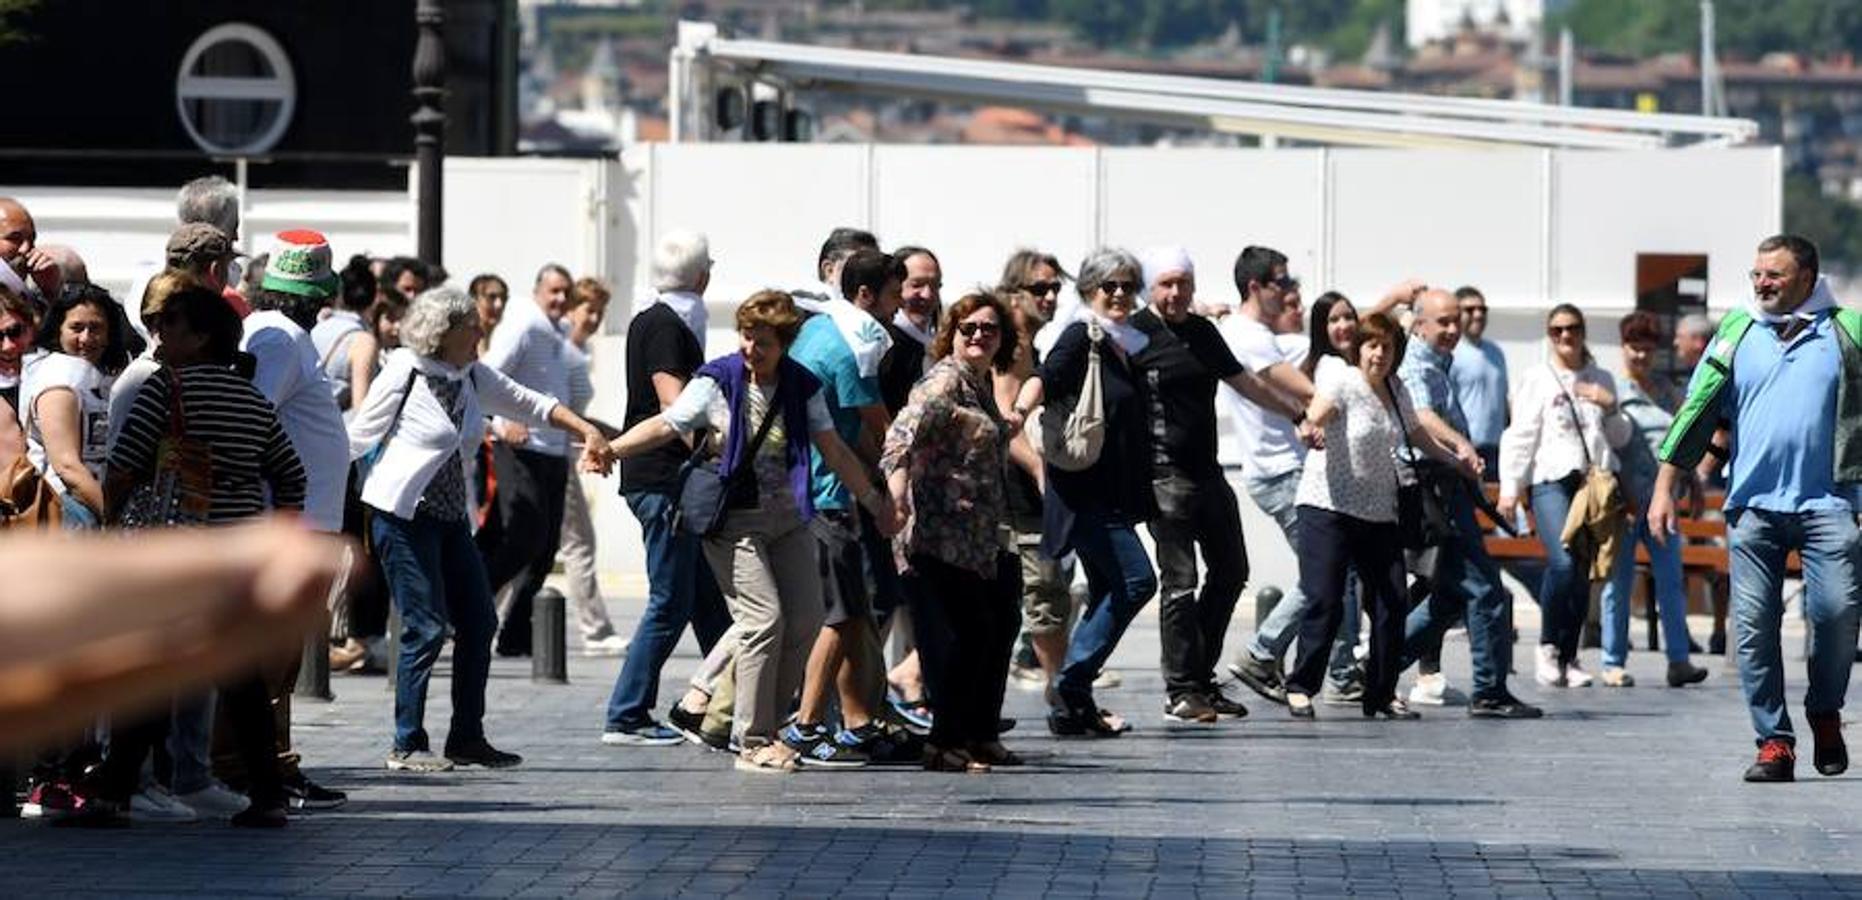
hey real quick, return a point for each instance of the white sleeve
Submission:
(1254, 347)
(691, 410)
(1520, 441)
(1328, 380)
(500, 395)
(506, 348)
(818, 418)
(277, 363)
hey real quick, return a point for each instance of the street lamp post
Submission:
(429, 122)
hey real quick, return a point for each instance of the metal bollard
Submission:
(1265, 600)
(549, 651)
(313, 676)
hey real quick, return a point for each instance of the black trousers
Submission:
(519, 539)
(1192, 512)
(1329, 543)
(245, 708)
(965, 626)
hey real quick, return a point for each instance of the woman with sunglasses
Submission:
(1565, 422)
(1095, 512)
(945, 459)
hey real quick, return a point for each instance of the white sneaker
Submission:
(1575, 675)
(216, 801)
(155, 804)
(1428, 690)
(1107, 680)
(612, 645)
(1546, 669)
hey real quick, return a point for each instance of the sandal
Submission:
(768, 759)
(941, 760)
(993, 753)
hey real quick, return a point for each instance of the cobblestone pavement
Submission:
(1618, 792)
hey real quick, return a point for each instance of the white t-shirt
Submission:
(1269, 441)
(289, 377)
(59, 370)
(1355, 474)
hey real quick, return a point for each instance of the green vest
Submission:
(1698, 417)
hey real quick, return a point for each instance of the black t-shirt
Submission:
(657, 341)
(1180, 368)
(900, 369)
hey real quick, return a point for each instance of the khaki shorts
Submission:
(1047, 601)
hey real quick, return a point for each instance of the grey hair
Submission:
(434, 312)
(553, 269)
(1100, 265)
(680, 261)
(212, 200)
(1695, 324)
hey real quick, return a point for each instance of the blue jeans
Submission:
(77, 516)
(1119, 582)
(1274, 635)
(1467, 582)
(1670, 597)
(437, 578)
(1758, 541)
(1564, 591)
(680, 589)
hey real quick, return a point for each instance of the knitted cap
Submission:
(301, 264)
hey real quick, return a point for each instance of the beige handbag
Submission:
(1070, 434)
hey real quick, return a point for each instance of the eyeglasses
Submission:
(1471, 310)
(972, 329)
(1113, 287)
(12, 332)
(1562, 330)
(1285, 282)
(1044, 288)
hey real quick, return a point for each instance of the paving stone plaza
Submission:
(1617, 792)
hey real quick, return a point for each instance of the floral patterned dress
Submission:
(953, 445)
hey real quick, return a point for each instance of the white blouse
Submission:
(1355, 474)
(1543, 443)
(426, 436)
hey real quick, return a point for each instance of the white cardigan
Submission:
(1542, 444)
(426, 437)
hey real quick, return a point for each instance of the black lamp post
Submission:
(429, 121)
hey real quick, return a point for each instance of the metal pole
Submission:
(1567, 66)
(1708, 64)
(549, 651)
(313, 676)
(429, 122)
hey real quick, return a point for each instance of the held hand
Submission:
(597, 459)
(1662, 523)
(1311, 435)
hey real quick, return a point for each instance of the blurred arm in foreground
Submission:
(96, 625)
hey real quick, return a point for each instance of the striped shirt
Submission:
(248, 447)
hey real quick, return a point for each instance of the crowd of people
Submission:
(869, 462)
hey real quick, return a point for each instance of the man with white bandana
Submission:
(1182, 360)
(1781, 376)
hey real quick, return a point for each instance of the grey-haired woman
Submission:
(420, 423)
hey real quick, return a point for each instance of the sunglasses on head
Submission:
(12, 332)
(1562, 330)
(972, 329)
(1113, 287)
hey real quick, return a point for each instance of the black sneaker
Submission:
(1395, 710)
(1505, 706)
(481, 753)
(1262, 677)
(1225, 706)
(816, 747)
(883, 746)
(302, 793)
(1777, 761)
(1090, 723)
(691, 725)
(260, 817)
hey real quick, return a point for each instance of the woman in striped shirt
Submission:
(248, 453)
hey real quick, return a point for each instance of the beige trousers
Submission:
(766, 566)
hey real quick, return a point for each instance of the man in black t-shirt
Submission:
(1180, 365)
(665, 345)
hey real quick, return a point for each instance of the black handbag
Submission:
(704, 494)
(1422, 510)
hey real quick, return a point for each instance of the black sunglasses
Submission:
(1112, 287)
(1044, 288)
(1562, 330)
(12, 332)
(970, 329)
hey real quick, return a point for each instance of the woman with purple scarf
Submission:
(762, 552)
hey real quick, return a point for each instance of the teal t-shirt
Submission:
(822, 350)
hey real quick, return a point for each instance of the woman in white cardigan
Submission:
(1565, 421)
(419, 425)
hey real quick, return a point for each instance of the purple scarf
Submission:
(797, 386)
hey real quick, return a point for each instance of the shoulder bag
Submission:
(705, 493)
(1070, 434)
(179, 492)
(1422, 511)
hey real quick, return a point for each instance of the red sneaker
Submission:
(51, 800)
(1777, 762)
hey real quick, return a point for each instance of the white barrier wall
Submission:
(1531, 227)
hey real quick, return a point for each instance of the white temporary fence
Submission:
(1530, 227)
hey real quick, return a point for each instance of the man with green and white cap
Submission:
(298, 283)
